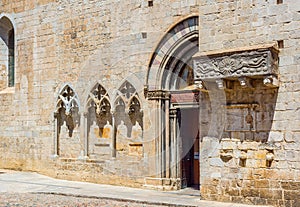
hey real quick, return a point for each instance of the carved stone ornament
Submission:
(158, 94)
(258, 62)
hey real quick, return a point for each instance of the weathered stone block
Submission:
(265, 193)
(250, 192)
(290, 185)
(217, 162)
(291, 194)
(261, 183)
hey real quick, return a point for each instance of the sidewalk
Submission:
(27, 182)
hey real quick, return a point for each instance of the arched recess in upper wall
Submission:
(7, 50)
(170, 65)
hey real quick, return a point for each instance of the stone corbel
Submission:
(221, 83)
(271, 81)
(245, 82)
(200, 85)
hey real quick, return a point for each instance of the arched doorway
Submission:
(169, 84)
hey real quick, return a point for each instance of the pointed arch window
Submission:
(128, 108)
(99, 108)
(67, 109)
(7, 50)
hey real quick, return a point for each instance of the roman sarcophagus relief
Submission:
(259, 62)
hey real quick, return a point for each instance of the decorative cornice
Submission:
(259, 62)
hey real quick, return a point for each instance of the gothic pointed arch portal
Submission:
(169, 83)
(170, 65)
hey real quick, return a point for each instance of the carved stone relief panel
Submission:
(236, 64)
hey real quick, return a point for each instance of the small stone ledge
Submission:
(8, 90)
(102, 145)
(136, 144)
(85, 160)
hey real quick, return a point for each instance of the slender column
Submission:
(159, 140)
(178, 147)
(175, 146)
(56, 134)
(114, 133)
(162, 128)
(173, 150)
(167, 139)
(85, 132)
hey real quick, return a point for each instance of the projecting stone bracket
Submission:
(271, 81)
(242, 65)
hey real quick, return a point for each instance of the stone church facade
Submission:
(155, 94)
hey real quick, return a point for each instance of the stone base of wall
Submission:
(240, 172)
(162, 183)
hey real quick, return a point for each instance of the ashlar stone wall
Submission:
(260, 166)
(80, 44)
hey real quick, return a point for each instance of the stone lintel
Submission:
(158, 95)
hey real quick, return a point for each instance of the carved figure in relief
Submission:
(136, 132)
(107, 130)
(67, 110)
(122, 129)
(94, 131)
(97, 102)
(68, 104)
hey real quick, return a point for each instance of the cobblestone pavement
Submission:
(47, 200)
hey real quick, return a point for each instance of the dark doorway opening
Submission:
(189, 133)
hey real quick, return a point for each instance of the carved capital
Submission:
(146, 90)
(173, 113)
(254, 62)
(158, 94)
